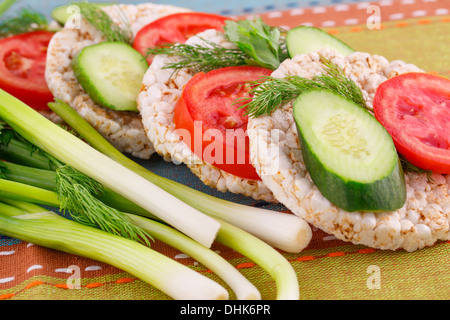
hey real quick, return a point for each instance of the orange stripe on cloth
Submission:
(33, 284)
(125, 280)
(336, 254)
(6, 296)
(245, 265)
(94, 285)
(305, 258)
(354, 14)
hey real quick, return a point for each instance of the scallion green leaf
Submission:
(72, 151)
(35, 224)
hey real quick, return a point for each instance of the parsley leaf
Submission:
(264, 44)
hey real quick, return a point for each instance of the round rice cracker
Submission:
(277, 157)
(160, 92)
(121, 128)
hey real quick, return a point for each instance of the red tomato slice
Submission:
(22, 68)
(215, 128)
(176, 28)
(415, 109)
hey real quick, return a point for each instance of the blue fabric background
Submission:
(228, 7)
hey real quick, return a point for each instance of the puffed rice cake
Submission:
(277, 157)
(160, 92)
(122, 128)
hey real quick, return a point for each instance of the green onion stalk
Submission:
(5, 5)
(74, 152)
(27, 184)
(284, 231)
(246, 244)
(254, 248)
(253, 232)
(243, 289)
(33, 223)
(38, 186)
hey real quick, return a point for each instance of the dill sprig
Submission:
(258, 44)
(77, 194)
(409, 167)
(100, 20)
(27, 20)
(200, 58)
(268, 95)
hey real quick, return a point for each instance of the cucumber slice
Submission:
(111, 73)
(306, 39)
(62, 13)
(350, 156)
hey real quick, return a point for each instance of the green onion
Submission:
(281, 230)
(243, 289)
(270, 260)
(5, 5)
(64, 146)
(239, 223)
(72, 151)
(246, 244)
(33, 223)
(20, 152)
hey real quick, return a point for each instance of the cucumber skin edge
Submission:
(337, 40)
(353, 196)
(385, 194)
(93, 94)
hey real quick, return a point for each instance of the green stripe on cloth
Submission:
(346, 272)
(419, 41)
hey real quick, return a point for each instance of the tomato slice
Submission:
(22, 67)
(415, 109)
(212, 124)
(176, 28)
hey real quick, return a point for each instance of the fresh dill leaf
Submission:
(267, 96)
(409, 167)
(265, 45)
(26, 21)
(100, 20)
(335, 79)
(257, 45)
(200, 58)
(77, 194)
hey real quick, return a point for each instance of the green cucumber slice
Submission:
(62, 13)
(111, 73)
(306, 39)
(350, 156)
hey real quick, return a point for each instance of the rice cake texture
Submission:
(160, 93)
(277, 157)
(122, 128)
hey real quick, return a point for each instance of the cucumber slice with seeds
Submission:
(62, 13)
(306, 39)
(111, 73)
(350, 156)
